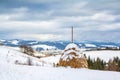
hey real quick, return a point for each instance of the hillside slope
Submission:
(10, 55)
(10, 71)
(13, 72)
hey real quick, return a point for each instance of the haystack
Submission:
(72, 57)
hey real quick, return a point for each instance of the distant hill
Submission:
(44, 45)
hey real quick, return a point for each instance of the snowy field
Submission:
(103, 54)
(13, 72)
(10, 71)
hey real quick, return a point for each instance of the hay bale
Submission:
(72, 57)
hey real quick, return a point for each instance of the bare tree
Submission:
(27, 50)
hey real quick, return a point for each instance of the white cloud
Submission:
(72, 8)
(29, 25)
(20, 9)
(97, 17)
(103, 17)
(42, 1)
(15, 14)
(75, 7)
(52, 19)
(4, 17)
(42, 37)
(107, 27)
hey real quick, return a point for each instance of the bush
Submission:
(29, 61)
(112, 65)
(27, 50)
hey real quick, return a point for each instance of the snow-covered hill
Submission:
(10, 55)
(13, 72)
(105, 55)
(43, 45)
(42, 69)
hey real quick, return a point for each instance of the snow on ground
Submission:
(13, 72)
(51, 59)
(10, 55)
(33, 42)
(15, 48)
(71, 45)
(109, 45)
(45, 47)
(15, 42)
(2, 40)
(10, 71)
(104, 54)
(90, 45)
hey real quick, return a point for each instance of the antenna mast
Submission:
(72, 34)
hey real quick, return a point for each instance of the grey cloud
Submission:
(88, 17)
(100, 35)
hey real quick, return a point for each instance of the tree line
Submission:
(99, 64)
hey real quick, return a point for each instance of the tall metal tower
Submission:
(72, 36)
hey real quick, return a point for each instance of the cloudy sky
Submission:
(52, 19)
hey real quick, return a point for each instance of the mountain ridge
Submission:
(58, 44)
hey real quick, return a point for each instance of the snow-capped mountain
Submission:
(44, 45)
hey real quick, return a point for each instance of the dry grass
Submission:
(75, 62)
